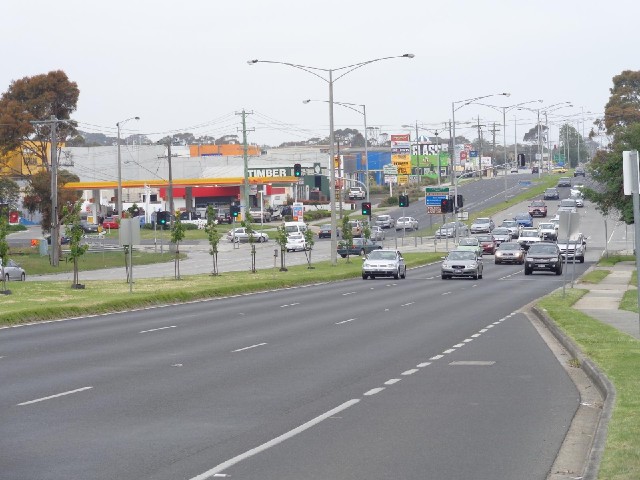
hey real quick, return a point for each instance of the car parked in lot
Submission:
(296, 242)
(406, 223)
(385, 221)
(564, 182)
(13, 271)
(538, 208)
(89, 227)
(544, 256)
(461, 263)
(241, 234)
(551, 194)
(523, 219)
(384, 263)
(260, 216)
(111, 222)
(470, 244)
(509, 252)
(482, 225)
(488, 243)
(359, 246)
(573, 248)
(453, 229)
(501, 234)
(325, 231)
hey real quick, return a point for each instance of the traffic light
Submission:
(297, 170)
(235, 211)
(522, 159)
(366, 208)
(459, 201)
(446, 205)
(162, 218)
(403, 201)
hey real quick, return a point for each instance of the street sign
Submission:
(390, 179)
(433, 197)
(390, 169)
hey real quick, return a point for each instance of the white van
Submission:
(295, 227)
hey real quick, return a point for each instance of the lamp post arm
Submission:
(356, 66)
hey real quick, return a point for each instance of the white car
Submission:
(406, 223)
(13, 271)
(548, 230)
(384, 263)
(241, 234)
(357, 193)
(528, 236)
(296, 243)
(578, 199)
(377, 233)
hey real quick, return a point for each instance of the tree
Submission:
(281, 239)
(213, 236)
(177, 235)
(9, 193)
(310, 242)
(347, 235)
(37, 195)
(37, 98)
(4, 249)
(623, 107)
(573, 144)
(71, 218)
(248, 225)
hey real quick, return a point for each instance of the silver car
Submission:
(384, 263)
(482, 225)
(13, 271)
(385, 221)
(461, 263)
(377, 233)
(240, 234)
(453, 229)
(406, 223)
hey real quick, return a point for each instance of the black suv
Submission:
(579, 172)
(224, 216)
(543, 256)
(551, 194)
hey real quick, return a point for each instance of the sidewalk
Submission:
(603, 299)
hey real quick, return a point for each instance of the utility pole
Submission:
(493, 148)
(245, 157)
(480, 145)
(55, 221)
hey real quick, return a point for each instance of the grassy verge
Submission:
(618, 356)
(34, 301)
(594, 276)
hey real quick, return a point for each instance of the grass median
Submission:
(46, 300)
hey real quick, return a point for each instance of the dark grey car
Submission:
(543, 256)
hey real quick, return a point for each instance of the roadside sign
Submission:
(433, 197)
(390, 179)
(390, 169)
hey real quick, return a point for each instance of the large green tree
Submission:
(37, 98)
(622, 123)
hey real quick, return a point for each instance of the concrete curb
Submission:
(606, 388)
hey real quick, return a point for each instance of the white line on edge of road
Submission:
(271, 443)
(247, 348)
(54, 396)
(156, 329)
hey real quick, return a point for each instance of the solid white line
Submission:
(247, 348)
(392, 381)
(436, 357)
(450, 350)
(54, 396)
(373, 391)
(407, 304)
(156, 329)
(346, 321)
(271, 443)
(421, 365)
(410, 372)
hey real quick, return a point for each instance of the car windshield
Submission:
(482, 220)
(485, 238)
(448, 226)
(462, 256)
(382, 218)
(469, 242)
(404, 219)
(537, 203)
(382, 255)
(529, 233)
(523, 216)
(509, 223)
(509, 246)
(501, 231)
(546, 226)
(543, 248)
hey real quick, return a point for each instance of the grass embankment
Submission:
(618, 357)
(45, 300)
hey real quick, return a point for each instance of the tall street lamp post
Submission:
(364, 114)
(119, 202)
(546, 122)
(330, 80)
(467, 101)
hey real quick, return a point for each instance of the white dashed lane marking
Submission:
(247, 348)
(158, 329)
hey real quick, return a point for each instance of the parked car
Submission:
(385, 221)
(376, 233)
(325, 231)
(501, 234)
(88, 227)
(359, 246)
(384, 263)
(488, 243)
(543, 256)
(528, 236)
(509, 252)
(482, 225)
(13, 271)
(579, 172)
(461, 263)
(524, 219)
(538, 208)
(276, 214)
(111, 223)
(551, 194)
(512, 225)
(223, 216)
(453, 229)
(564, 182)
(406, 223)
(548, 230)
(296, 243)
(573, 248)
(357, 193)
(261, 216)
(241, 234)
(470, 244)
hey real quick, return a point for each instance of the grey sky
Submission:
(182, 66)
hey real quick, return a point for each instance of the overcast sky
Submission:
(182, 66)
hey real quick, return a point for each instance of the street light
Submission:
(119, 203)
(364, 114)
(330, 80)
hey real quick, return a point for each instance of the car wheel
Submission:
(404, 273)
(362, 252)
(343, 255)
(6, 277)
(527, 271)
(497, 262)
(364, 276)
(444, 277)
(476, 276)
(582, 259)
(396, 275)
(23, 277)
(559, 270)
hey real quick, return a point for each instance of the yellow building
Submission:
(22, 162)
